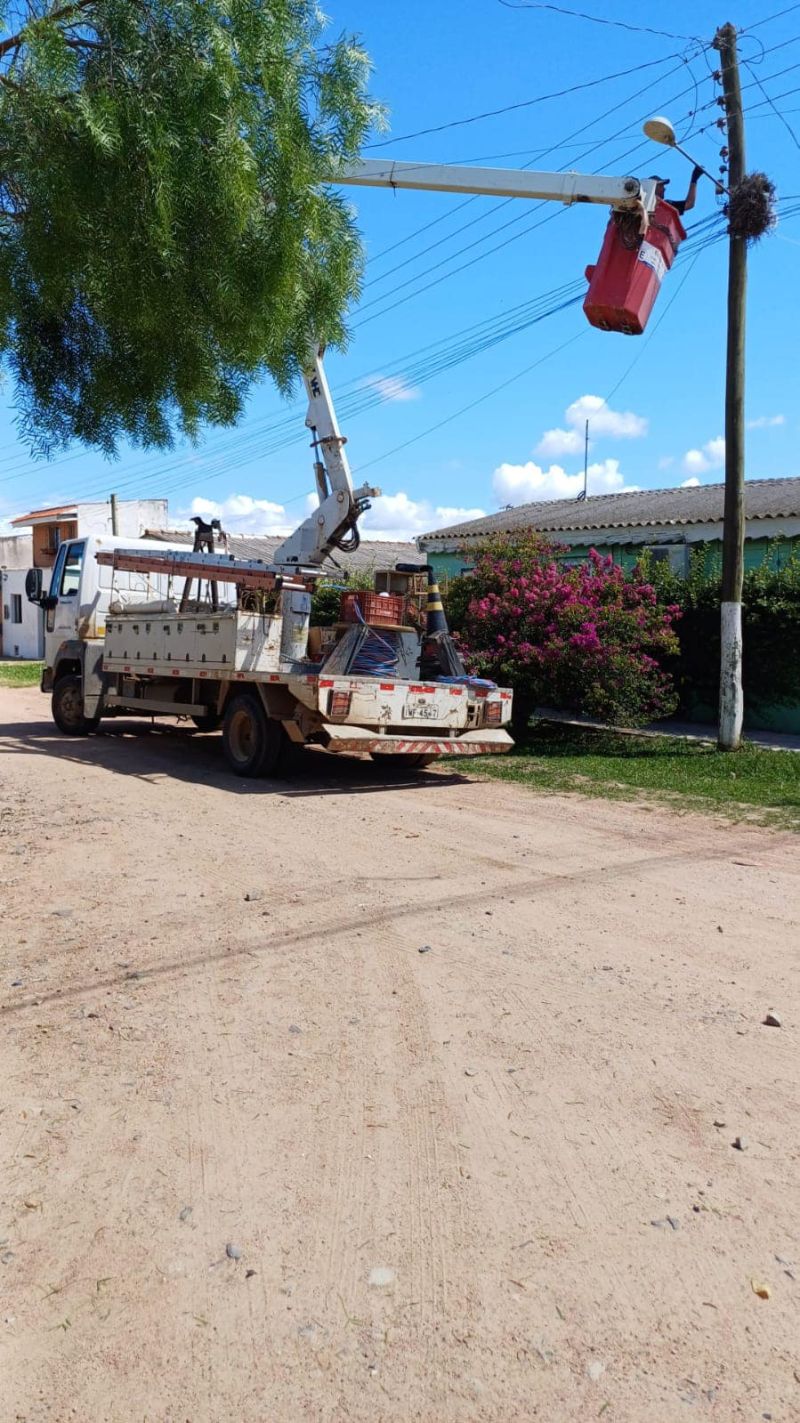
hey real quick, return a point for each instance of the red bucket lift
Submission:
(625, 282)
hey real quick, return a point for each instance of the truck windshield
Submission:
(71, 571)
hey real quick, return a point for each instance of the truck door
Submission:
(62, 615)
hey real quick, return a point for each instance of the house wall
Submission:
(133, 517)
(779, 544)
(16, 551)
(23, 639)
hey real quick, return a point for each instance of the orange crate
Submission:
(377, 609)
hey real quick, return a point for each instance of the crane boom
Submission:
(502, 183)
(334, 523)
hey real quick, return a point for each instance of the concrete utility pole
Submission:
(731, 699)
(114, 519)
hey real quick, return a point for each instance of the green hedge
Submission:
(770, 630)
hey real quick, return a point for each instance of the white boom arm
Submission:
(339, 503)
(333, 524)
(502, 183)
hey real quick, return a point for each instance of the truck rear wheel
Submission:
(252, 741)
(67, 707)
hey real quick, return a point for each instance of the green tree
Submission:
(166, 236)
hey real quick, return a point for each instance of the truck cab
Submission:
(75, 609)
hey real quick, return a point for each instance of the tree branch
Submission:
(65, 12)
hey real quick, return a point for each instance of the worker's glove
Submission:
(697, 173)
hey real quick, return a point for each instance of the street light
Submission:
(660, 130)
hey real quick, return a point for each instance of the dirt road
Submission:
(264, 1160)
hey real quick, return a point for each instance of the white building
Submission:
(21, 622)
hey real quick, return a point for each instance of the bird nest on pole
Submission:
(751, 210)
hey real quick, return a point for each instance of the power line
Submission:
(518, 375)
(595, 19)
(416, 368)
(775, 110)
(769, 18)
(513, 221)
(472, 403)
(523, 103)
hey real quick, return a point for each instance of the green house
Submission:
(667, 522)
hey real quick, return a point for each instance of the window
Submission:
(675, 555)
(71, 575)
(16, 607)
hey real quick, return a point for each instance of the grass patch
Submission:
(20, 674)
(753, 784)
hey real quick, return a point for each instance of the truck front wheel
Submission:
(252, 741)
(67, 707)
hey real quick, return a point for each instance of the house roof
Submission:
(47, 516)
(371, 553)
(698, 504)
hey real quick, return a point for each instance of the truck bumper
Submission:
(358, 739)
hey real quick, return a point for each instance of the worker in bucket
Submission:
(691, 197)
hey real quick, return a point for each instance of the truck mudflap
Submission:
(355, 739)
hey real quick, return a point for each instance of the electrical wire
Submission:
(769, 18)
(273, 428)
(473, 404)
(416, 369)
(272, 436)
(594, 19)
(775, 110)
(542, 153)
(535, 207)
(519, 375)
(20, 470)
(522, 103)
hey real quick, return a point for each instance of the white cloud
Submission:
(392, 388)
(395, 517)
(527, 483)
(690, 483)
(555, 443)
(621, 424)
(711, 456)
(617, 424)
(765, 422)
(398, 517)
(241, 514)
(695, 459)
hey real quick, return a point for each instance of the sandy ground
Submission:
(493, 1181)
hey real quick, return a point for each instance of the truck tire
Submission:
(67, 707)
(400, 759)
(252, 741)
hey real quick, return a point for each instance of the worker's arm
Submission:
(691, 196)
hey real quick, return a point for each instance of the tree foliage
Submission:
(588, 639)
(770, 630)
(165, 233)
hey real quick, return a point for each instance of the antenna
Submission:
(585, 489)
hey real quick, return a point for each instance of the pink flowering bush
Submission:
(589, 638)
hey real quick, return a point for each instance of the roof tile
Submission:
(697, 504)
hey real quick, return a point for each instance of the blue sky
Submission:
(522, 400)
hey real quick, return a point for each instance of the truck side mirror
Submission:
(33, 585)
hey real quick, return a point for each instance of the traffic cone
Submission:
(434, 612)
